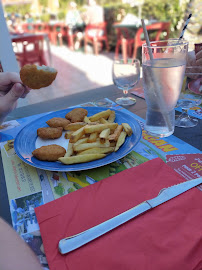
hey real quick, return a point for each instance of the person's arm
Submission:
(11, 89)
(14, 252)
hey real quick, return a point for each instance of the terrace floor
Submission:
(77, 72)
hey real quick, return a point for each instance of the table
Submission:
(193, 136)
(54, 30)
(20, 36)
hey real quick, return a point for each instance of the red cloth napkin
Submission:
(168, 237)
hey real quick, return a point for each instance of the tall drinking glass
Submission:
(163, 75)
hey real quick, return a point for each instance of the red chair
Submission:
(122, 41)
(156, 31)
(95, 34)
(56, 33)
(27, 27)
(32, 49)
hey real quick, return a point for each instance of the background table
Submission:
(20, 37)
(193, 136)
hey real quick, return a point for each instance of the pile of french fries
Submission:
(94, 138)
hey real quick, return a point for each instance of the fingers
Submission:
(26, 91)
(17, 91)
(7, 79)
(199, 58)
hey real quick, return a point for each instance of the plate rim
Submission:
(67, 168)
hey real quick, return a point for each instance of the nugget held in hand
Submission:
(76, 115)
(58, 122)
(37, 77)
(49, 133)
(49, 152)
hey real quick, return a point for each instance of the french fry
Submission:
(85, 146)
(97, 150)
(77, 135)
(93, 137)
(115, 135)
(100, 127)
(68, 134)
(75, 126)
(86, 120)
(97, 116)
(127, 129)
(112, 117)
(112, 144)
(103, 121)
(80, 158)
(121, 140)
(82, 140)
(104, 135)
(69, 150)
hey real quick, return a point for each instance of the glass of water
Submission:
(163, 64)
(126, 74)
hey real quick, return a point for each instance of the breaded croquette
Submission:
(49, 132)
(76, 115)
(49, 152)
(58, 122)
(37, 77)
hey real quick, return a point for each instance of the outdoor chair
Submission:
(122, 37)
(27, 27)
(31, 50)
(96, 34)
(156, 31)
(56, 33)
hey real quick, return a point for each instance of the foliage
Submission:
(163, 10)
(18, 9)
(45, 17)
(43, 3)
(61, 15)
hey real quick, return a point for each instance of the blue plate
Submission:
(25, 142)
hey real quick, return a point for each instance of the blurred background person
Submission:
(73, 17)
(11, 22)
(94, 13)
(74, 22)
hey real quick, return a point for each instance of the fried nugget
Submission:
(36, 77)
(58, 122)
(76, 115)
(49, 132)
(49, 152)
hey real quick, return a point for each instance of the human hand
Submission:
(194, 65)
(199, 58)
(11, 89)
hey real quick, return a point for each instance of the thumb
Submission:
(15, 93)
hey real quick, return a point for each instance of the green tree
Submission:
(43, 3)
(20, 9)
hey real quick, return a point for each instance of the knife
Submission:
(73, 242)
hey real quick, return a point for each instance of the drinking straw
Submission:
(185, 26)
(157, 90)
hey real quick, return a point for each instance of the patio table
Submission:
(20, 36)
(192, 136)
